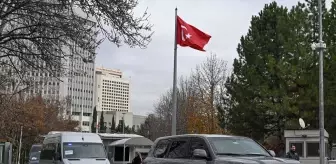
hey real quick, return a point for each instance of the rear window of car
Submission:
(36, 148)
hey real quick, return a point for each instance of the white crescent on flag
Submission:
(182, 35)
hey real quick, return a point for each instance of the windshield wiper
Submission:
(230, 154)
(255, 154)
(237, 154)
(97, 157)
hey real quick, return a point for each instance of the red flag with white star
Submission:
(190, 36)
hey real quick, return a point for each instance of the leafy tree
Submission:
(102, 126)
(94, 120)
(113, 125)
(208, 79)
(36, 116)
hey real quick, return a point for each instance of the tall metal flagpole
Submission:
(320, 46)
(175, 79)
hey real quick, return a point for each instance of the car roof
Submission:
(37, 145)
(201, 135)
(76, 137)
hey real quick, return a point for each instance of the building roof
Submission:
(116, 135)
(135, 141)
(201, 135)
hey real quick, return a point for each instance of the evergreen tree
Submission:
(267, 89)
(113, 125)
(329, 71)
(102, 126)
(120, 126)
(94, 120)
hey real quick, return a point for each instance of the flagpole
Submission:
(175, 79)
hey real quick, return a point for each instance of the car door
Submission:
(178, 152)
(157, 155)
(47, 153)
(59, 151)
(199, 143)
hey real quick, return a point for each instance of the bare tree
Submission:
(40, 34)
(209, 77)
(198, 96)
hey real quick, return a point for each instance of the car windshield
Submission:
(83, 150)
(34, 155)
(237, 146)
(35, 152)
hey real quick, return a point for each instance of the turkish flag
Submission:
(190, 36)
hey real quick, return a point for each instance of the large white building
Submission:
(79, 88)
(112, 96)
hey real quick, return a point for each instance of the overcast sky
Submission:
(151, 69)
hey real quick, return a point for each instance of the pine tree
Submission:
(120, 126)
(94, 120)
(269, 74)
(113, 125)
(102, 127)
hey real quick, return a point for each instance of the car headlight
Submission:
(33, 158)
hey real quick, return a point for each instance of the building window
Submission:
(313, 149)
(86, 123)
(298, 146)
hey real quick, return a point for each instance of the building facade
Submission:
(78, 88)
(137, 121)
(112, 96)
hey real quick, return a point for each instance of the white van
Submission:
(73, 148)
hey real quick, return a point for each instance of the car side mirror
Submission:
(272, 152)
(200, 153)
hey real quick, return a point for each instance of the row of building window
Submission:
(312, 148)
(79, 106)
(113, 100)
(111, 82)
(110, 109)
(80, 90)
(114, 94)
(114, 103)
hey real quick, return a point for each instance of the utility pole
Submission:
(320, 47)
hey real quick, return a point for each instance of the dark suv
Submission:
(210, 149)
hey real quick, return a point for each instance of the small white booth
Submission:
(123, 151)
(307, 144)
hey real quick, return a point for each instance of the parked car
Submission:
(34, 154)
(210, 149)
(72, 148)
